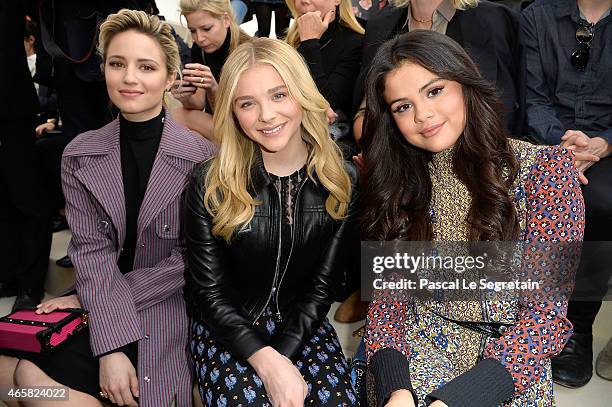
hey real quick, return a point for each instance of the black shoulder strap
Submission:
(49, 41)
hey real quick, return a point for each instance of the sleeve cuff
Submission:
(309, 45)
(487, 384)
(287, 346)
(391, 372)
(607, 135)
(124, 349)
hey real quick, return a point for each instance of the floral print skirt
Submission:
(224, 381)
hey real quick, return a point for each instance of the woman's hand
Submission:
(201, 77)
(188, 95)
(401, 398)
(312, 25)
(358, 160)
(331, 115)
(118, 379)
(284, 384)
(69, 301)
(438, 403)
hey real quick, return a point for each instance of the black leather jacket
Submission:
(228, 287)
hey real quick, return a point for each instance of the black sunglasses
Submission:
(584, 36)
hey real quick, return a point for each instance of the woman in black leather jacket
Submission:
(269, 227)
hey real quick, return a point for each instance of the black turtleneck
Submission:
(334, 62)
(139, 142)
(214, 60)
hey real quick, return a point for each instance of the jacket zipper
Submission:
(279, 317)
(278, 254)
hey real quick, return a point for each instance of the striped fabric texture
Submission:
(145, 305)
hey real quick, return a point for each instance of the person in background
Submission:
(241, 9)
(184, 50)
(46, 96)
(215, 35)
(328, 36)
(440, 167)
(69, 34)
(603, 365)
(363, 8)
(488, 31)
(263, 13)
(24, 217)
(568, 46)
(124, 187)
(49, 143)
(279, 193)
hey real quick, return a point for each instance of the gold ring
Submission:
(103, 395)
(201, 80)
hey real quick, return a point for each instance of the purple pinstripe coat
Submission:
(145, 305)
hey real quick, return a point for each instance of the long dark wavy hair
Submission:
(397, 190)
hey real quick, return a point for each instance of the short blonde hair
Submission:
(217, 8)
(144, 23)
(227, 197)
(458, 4)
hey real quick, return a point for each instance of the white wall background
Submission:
(170, 10)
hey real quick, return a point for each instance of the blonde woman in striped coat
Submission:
(124, 187)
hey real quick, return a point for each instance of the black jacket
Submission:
(228, 286)
(490, 35)
(334, 61)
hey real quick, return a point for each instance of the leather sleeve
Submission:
(209, 296)
(313, 304)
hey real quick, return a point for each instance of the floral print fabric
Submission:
(224, 381)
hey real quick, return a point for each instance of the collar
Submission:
(565, 8)
(139, 131)
(173, 141)
(260, 178)
(445, 10)
(330, 33)
(106, 140)
(223, 51)
(602, 18)
(443, 158)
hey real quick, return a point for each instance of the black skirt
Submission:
(74, 364)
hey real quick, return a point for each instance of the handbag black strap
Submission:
(25, 322)
(49, 41)
(492, 329)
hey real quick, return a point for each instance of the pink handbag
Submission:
(28, 331)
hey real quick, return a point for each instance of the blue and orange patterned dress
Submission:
(549, 206)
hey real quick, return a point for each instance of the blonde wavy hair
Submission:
(227, 198)
(218, 9)
(144, 23)
(347, 19)
(458, 4)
